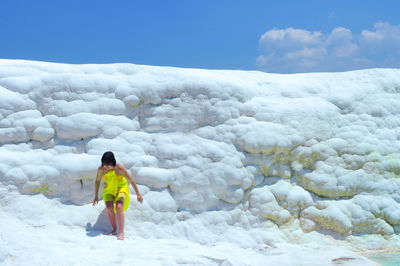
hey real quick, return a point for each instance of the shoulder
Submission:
(100, 169)
(119, 168)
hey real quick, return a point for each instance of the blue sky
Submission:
(274, 36)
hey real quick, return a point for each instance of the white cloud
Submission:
(284, 39)
(382, 33)
(298, 50)
(340, 42)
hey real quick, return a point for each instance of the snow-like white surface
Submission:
(236, 167)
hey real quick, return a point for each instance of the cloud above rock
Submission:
(293, 50)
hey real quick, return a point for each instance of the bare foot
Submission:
(120, 237)
(113, 232)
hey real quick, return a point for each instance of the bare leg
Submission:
(121, 219)
(111, 217)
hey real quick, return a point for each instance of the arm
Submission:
(129, 177)
(97, 185)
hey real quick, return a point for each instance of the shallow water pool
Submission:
(385, 259)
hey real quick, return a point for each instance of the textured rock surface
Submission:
(318, 148)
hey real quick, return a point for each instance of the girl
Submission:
(116, 191)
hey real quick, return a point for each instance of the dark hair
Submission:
(108, 159)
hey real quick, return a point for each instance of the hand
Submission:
(139, 198)
(96, 200)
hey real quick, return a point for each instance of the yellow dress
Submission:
(115, 187)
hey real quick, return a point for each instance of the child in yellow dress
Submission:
(116, 191)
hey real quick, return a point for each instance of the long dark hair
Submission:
(108, 159)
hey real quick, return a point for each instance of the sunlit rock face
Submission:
(322, 149)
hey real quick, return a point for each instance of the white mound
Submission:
(236, 167)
